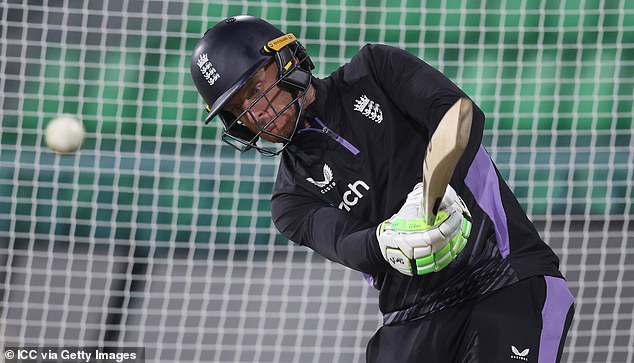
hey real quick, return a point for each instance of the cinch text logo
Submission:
(352, 196)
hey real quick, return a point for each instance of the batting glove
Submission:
(413, 247)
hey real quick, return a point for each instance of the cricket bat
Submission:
(443, 152)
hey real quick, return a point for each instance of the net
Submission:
(157, 235)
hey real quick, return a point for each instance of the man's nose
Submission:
(259, 111)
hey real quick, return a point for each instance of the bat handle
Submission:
(431, 216)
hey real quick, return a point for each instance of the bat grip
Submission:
(431, 218)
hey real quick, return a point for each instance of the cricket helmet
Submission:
(229, 54)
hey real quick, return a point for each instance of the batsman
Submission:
(462, 273)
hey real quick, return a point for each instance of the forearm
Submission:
(358, 250)
(330, 232)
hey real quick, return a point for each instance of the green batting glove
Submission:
(412, 246)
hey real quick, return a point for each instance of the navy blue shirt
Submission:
(353, 167)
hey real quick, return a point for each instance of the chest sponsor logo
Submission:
(351, 197)
(327, 184)
(369, 108)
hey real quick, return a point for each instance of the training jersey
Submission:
(359, 156)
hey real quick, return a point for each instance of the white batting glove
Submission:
(413, 247)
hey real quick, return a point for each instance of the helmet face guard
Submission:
(242, 46)
(292, 79)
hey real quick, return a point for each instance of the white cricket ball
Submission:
(64, 134)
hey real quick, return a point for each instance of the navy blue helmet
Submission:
(229, 54)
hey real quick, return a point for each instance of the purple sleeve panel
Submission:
(554, 313)
(482, 180)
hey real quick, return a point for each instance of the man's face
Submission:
(260, 117)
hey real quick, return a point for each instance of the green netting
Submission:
(152, 185)
(556, 82)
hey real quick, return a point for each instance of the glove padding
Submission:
(413, 247)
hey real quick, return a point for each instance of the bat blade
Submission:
(443, 152)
